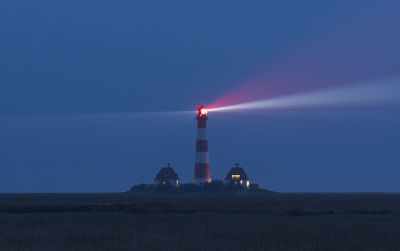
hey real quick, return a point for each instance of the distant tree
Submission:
(142, 188)
(214, 187)
(167, 187)
(190, 188)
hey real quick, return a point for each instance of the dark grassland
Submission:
(268, 221)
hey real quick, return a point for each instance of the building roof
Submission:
(236, 171)
(166, 173)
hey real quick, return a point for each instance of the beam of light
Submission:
(101, 115)
(124, 116)
(372, 93)
(134, 114)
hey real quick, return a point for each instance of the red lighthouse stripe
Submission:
(202, 171)
(201, 133)
(202, 146)
(202, 123)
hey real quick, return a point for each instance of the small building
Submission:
(237, 176)
(167, 176)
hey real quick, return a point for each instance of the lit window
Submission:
(235, 176)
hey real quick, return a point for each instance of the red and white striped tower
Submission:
(202, 165)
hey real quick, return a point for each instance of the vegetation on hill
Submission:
(212, 187)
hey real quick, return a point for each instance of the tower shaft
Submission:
(202, 164)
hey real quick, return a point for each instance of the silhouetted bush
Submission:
(216, 186)
(189, 188)
(142, 188)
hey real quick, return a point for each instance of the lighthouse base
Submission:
(201, 173)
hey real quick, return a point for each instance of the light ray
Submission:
(372, 93)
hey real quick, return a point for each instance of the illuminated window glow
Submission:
(235, 176)
(248, 183)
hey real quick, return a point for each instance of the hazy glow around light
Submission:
(371, 93)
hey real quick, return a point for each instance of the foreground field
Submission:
(200, 222)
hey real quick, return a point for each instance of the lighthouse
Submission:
(202, 164)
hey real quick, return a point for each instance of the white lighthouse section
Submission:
(202, 158)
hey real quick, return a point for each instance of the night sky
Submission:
(78, 78)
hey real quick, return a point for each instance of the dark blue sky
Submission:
(68, 70)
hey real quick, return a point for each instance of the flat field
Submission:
(269, 221)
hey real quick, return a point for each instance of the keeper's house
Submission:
(237, 176)
(167, 176)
